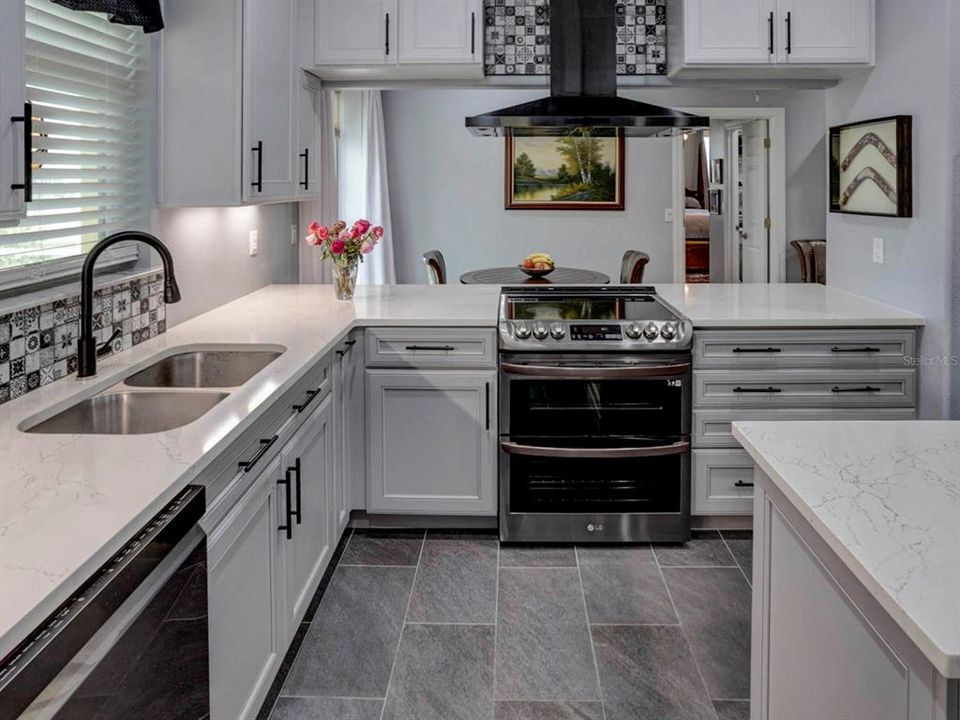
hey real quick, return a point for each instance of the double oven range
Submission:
(594, 415)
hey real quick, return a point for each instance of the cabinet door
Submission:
(350, 428)
(12, 95)
(351, 32)
(246, 642)
(446, 31)
(826, 31)
(729, 31)
(307, 150)
(431, 442)
(308, 467)
(270, 78)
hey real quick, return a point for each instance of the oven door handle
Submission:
(677, 448)
(597, 373)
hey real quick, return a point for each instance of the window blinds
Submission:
(91, 86)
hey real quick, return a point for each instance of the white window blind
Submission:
(91, 85)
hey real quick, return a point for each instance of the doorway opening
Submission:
(696, 212)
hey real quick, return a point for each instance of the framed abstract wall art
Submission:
(870, 167)
(579, 171)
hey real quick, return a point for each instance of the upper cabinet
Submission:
(235, 110)
(770, 33)
(399, 39)
(14, 144)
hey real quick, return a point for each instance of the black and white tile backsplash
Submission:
(517, 37)
(39, 344)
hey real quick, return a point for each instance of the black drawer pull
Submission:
(865, 388)
(288, 525)
(431, 347)
(769, 389)
(311, 396)
(305, 183)
(27, 120)
(346, 347)
(854, 350)
(757, 350)
(258, 183)
(741, 483)
(265, 445)
(295, 468)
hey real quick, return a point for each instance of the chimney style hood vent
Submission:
(583, 84)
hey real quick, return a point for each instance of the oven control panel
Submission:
(596, 332)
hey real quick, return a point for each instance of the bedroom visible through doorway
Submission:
(696, 209)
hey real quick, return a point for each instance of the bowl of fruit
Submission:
(536, 265)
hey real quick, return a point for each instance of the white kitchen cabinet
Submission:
(12, 97)
(356, 32)
(247, 641)
(308, 136)
(826, 31)
(729, 31)
(350, 428)
(304, 515)
(449, 31)
(431, 442)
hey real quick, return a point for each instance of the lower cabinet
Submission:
(431, 442)
(348, 380)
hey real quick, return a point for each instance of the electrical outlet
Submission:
(878, 250)
(254, 242)
(668, 214)
(293, 234)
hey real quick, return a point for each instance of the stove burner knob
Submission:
(650, 331)
(540, 331)
(521, 331)
(633, 331)
(557, 331)
(668, 331)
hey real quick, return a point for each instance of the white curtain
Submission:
(362, 178)
(323, 208)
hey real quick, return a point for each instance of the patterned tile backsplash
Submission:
(517, 37)
(39, 344)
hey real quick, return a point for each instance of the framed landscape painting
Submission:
(579, 171)
(870, 167)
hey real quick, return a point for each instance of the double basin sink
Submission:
(170, 393)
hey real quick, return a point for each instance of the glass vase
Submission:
(345, 278)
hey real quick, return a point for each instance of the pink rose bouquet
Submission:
(344, 244)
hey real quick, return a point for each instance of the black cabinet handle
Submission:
(769, 389)
(386, 33)
(295, 468)
(431, 347)
(770, 33)
(306, 169)
(346, 347)
(741, 483)
(265, 445)
(789, 33)
(487, 393)
(865, 388)
(473, 33)
(27, 120)
(288, 525)
(854, 350)
(258, 183)
(757, 350)
(311, 396)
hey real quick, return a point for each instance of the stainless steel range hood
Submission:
(583, 84)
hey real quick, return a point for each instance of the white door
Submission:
(270, 77)
(307, 150)
(825, 31)
(246, 640)
(431, 442)
(754, 236)
(308, 474)
(729, 31)
(12, 95)
(351, 32)
(440, 31)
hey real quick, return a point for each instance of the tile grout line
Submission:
(683, 631)
(496, 626)
(737, 561)
(403, 625)
(593, 649)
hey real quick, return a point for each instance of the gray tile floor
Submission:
(442, 625)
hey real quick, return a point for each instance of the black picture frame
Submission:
(899, 159)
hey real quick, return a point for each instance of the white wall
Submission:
(911, 77)
(446, 186)
(210, 253)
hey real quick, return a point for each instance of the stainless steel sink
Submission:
(204, 369)
(130, 413)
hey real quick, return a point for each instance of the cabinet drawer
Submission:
(711, 428)
(722, 482)
(431, 347)
(803, 348)
(804, 388)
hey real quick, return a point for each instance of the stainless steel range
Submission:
(594, 415)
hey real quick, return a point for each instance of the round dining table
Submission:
(516, 276)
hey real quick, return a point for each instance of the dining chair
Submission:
(632, 266)
(436, 267)
(812, 256)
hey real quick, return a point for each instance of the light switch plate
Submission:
(878, 250)
(293, 234)
(254, 242)
(668, 214)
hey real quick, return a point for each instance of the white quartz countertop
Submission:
(68, 502)
(885, 496)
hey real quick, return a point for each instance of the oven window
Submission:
(591, 485)
(617, 408)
